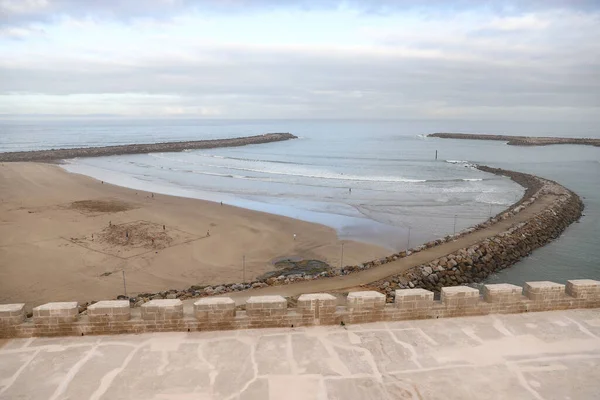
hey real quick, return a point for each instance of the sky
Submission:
(379, 59)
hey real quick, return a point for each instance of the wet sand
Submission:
(47, 252)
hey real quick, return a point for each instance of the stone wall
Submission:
(219, 313)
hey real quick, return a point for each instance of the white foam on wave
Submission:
(491, 197)
(327, 175)
(472, 179)
(222, 175)
(193, 150)
(464, 163)
(265, 167)
(163, 157)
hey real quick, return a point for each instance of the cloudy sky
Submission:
(480, 60)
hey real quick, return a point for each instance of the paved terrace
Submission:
(547, 355)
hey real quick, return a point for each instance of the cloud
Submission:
(19, 32)
(520, 23)
(322, 82)
(325, 60)
(25, 11)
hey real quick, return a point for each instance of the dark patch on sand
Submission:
(101, 206)
(292, 266)
(136, 234)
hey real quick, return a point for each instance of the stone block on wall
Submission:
(365, 301)
(168, 309)
(266, 306)
(109, 310)
(584, 289)
(12, 314)
(317, 305)
(214, 309)
(544, 291)
(56, 313)
(459, 296)
(408, 299)
(502, 293)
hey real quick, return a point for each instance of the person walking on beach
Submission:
(350, 190)
(294, 236)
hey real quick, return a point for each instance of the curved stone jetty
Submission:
(519, 140)
(476, 261)
(61, 154)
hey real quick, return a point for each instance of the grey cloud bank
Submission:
(14, 11)
(539, 61)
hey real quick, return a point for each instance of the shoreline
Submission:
(519, 140)
(348, 227)
(62, 154)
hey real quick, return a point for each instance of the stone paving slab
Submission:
(547, 355)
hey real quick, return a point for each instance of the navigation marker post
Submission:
(124, 284)
(455, 224)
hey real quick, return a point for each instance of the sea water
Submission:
(373, 181)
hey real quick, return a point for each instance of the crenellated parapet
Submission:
(221, 313)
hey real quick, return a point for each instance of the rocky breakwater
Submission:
(519, 140)
(476, 262)
(62, 154)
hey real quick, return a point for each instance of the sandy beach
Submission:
(68, 237)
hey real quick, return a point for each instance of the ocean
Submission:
(373, 181)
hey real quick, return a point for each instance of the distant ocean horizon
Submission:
(373, 181)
